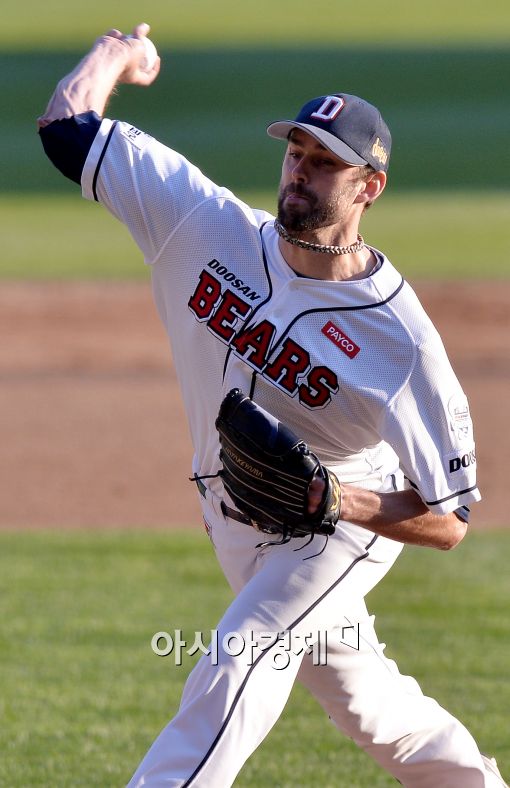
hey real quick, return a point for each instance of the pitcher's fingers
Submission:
(315, 493)
(143, 29)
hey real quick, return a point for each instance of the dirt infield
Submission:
(93, 431)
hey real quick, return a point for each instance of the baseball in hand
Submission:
(151, 53)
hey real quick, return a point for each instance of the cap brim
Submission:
(281, 129)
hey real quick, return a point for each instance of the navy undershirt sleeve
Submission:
(463, 514)
(67, 142)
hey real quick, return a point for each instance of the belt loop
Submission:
(202, 489)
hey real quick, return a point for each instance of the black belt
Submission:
(243, 518)
(235, 515)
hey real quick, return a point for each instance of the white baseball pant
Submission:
(227, 709)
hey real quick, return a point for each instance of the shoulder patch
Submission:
(460, 420)
(138, 139)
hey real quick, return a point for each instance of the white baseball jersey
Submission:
(355, 368)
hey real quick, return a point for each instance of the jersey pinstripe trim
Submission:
(100, 161)
(332, 309)
(318, 310)
(239, 692)
(261, 304)
(453, 495)
(447, 497)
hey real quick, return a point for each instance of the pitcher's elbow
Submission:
(454, 534)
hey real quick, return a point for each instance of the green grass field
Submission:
(446, 109)
(437, 71)
(82, 694)
(288, 22)
(445, 209)
(400, 225)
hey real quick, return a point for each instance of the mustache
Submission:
(298, 189)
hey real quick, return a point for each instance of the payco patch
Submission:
(340, 339)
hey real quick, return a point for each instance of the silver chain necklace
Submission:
(357, 246)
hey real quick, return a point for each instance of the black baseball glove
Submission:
(267, 471)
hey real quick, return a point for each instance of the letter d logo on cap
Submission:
(329, 109)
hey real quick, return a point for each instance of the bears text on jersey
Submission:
(291, 370)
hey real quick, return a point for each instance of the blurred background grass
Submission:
(438, 72)
(290, 23)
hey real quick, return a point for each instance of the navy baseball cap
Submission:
(348, 126)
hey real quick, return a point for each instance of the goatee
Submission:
(306, 218)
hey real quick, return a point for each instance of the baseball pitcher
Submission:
(328, 426)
